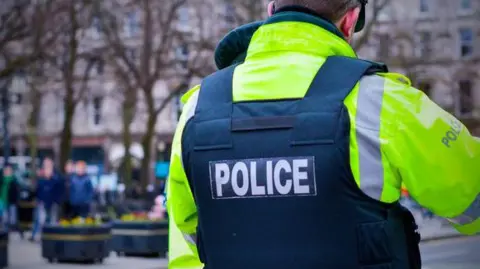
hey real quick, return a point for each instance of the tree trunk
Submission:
(66, 135)
(128, 114)
(32, 136)
(147, 150)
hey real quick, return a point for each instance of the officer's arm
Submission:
(180, 203)
(437, 158)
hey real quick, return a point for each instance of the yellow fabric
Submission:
(181, 254)
(443, 179)
(469, 229)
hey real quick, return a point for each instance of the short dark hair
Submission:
(331, 10)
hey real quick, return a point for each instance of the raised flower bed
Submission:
(137, 235)
(3, 249)
(76, 242)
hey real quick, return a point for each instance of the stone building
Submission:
(97, 123)
(435, 42)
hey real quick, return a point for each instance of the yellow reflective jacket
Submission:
(398, 135)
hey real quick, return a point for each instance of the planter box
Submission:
(140, 238)
(76, 243)
(26, 211)
(3, 249)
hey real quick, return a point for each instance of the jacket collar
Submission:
(299, 31)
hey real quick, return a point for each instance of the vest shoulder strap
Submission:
(215, 90)
(323, 102)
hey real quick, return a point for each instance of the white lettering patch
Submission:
(289, 176)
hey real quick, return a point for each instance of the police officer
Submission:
(295, 158)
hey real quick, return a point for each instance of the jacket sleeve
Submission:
(436, 158)
(180, 203)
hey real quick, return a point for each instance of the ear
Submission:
(348, 21)
(271, 8)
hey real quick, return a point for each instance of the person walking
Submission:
(47, 193)
(81, 191)
(295, 157)
(9, 196)
(66, 208)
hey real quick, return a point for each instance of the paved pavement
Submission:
(450, 253)
(26, 255)
(435, 229)
(456, 253)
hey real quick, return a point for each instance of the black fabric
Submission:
(232, 48)
(334, 226)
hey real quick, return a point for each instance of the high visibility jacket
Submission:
(297, 181)
(397, 134)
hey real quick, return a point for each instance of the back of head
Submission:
(81, 167)
(331, 10)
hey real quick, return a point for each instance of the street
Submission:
(27, 255)
(456, 253)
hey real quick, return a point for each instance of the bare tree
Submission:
(240, 12)
(157, 42)
(73, 63)
(374, 10)
(26, 29)
(35, 82)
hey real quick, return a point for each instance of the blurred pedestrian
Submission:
(26, 204)
(81, 191)
(66, 208)
(47, 193)
(12, 201)
(9, 196)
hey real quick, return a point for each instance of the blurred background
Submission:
(101, 81)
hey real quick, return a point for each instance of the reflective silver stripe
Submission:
(191, 106)
(367, 124)
(189, 109)
(190, 238)
(471, 214)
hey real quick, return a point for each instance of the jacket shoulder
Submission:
(189, 94)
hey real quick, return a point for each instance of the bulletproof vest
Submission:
(273, 184)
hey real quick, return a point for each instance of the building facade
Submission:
(434, 42)
(97, 123)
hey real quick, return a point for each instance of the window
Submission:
(465, 4)
(182, 54)
(16, 98)
(466, 42)
(466, 97)
(425, 87)
(97, 26)
(424, 6)
(132, 54)
(183, 15)
(425, 44)
(132, 24)
(384, 46)
(97, 111)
